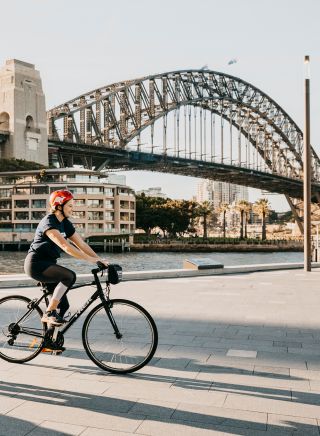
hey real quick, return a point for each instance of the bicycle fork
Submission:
(112, 320)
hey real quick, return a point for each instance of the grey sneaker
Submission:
(53, 318)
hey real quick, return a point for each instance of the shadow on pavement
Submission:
(134, 410)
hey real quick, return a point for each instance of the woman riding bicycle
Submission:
(50, 240)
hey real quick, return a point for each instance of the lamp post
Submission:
(307, 171)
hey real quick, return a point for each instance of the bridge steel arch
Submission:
(112, 116)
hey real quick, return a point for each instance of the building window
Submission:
(29, 122)
(108, 192)
(123, 192)
(124, 204)
(79, 202)
(124, 216)
(5, 216)
(37, 215)
(80, 227)
(22, 203)
(40, 190)
(94, 190)
(78, 190)
(109, 216)
(109, 204)
(95, 216)
(95, 203)
(95, 228)
(4, 121)
(22, 190)
(4, 193)
(22, 215)
(78, 214)
(5, 205)
(39, 204)
(23, 227)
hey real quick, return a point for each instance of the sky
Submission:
(79, 45)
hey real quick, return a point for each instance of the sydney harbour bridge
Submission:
(197, 123)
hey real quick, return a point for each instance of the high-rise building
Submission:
(152, 192)
(220, 192)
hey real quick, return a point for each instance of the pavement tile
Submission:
(269, 371)
(250, 354)
(277, 405)
(10, 426)
(222, 416)
(154, 408)
(51, 428)
(291, 344)
(293, 423)
(189, 428)
(77, 416)
(8, 402)
(305, 374)
(192, 394)
(91, 431)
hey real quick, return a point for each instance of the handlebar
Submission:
(101, 267)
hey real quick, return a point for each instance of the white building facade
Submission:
(100, 207)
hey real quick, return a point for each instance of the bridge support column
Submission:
(295, 214)
(22, 104)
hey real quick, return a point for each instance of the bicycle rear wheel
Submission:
(21, 329)
(128, 353)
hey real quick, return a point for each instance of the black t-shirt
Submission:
(42, 244)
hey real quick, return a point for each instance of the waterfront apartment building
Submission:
(220, 192)
(101, 207)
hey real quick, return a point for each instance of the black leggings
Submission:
(50, 273)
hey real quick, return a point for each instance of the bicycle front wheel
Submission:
(134, 344)
(21, 329)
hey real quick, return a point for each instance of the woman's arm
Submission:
(83, 246)
(59, 240)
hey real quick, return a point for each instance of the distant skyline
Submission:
(78, 46)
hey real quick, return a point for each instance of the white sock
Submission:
(59, 291)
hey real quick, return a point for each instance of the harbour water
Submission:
(12, 262)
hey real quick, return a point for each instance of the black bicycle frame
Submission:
(98, 293)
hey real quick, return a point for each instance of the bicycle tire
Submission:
(95, 330)
(27, 343)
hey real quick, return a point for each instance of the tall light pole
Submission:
(307, 171)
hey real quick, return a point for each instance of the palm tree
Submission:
(241, 207)
(262, 209)
(205, 210)
(223, 209)
(247, 211)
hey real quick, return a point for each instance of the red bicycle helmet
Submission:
(59, 198)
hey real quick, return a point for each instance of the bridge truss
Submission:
(231, 128)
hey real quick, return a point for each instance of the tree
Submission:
(204, 211)
(241, 208)
(18, 165)
(247, 211)
(223, 209)
(148, 215)
(262, 209)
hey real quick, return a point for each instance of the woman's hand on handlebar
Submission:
(102, 264)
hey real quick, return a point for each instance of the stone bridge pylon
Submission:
(23, 128)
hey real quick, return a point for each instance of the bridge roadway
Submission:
(238, 355)
(122, 159)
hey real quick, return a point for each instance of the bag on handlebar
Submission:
(114, 273)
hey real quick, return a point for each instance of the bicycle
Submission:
(118, 335)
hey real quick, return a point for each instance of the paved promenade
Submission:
(238, 355)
